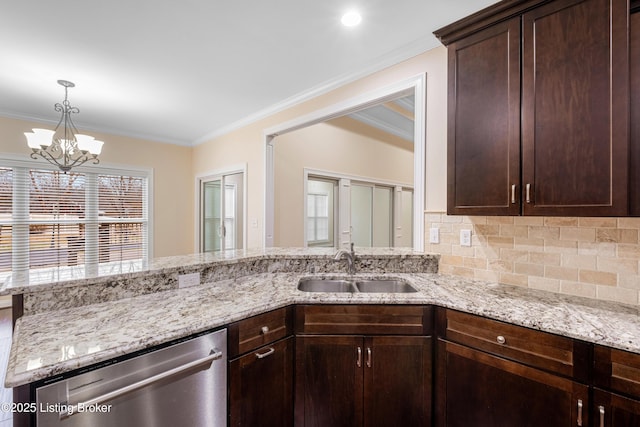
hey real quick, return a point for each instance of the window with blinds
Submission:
(78, 221)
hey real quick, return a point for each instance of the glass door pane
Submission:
(320, 212)
(361, 215)
(211, 215)
(382, 216)
(233, 199)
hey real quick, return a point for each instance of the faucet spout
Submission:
(350, 256)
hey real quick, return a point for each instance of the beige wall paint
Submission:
(342, 146)
(172, 179)
(247, 144)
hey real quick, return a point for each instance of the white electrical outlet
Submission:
(434, 235)
(188, 280)
(465, 237)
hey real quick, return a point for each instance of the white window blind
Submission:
(78, 221)
(317, 218)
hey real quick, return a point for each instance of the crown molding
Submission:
(383, 126)
(398, 55)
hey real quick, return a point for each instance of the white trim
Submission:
(227, 170)
(415, 85)
(268, 216)
(382, 125)
(354, 178)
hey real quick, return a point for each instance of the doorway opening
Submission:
(413, 88)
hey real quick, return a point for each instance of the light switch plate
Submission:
(434, 235)
(188, 280)
(465, 237)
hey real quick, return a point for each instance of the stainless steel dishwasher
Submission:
(184, 384)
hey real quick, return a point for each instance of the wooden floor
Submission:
(6, 395)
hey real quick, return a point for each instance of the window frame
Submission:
(20, 216)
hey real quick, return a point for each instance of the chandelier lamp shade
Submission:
(64, 147)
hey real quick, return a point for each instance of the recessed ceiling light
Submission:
(351, 19)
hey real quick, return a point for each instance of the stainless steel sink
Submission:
(326, 285)
(384, 285)
(314, 284)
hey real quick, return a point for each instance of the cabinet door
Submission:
(575, 105)
(634, 67)
(477, 389)
(484, 122)
(612, 410)
(261, 387)
(397, 381)
(329, 381)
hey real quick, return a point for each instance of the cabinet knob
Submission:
(513, 193)
(264, 330)
(501, 340)
(601, 411)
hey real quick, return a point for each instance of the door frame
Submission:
(207, 176)
(413, 86)
(340, 216)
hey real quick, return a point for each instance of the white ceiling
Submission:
(184, 71)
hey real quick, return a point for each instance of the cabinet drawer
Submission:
(617, 370)
(534, 348)
(364, 319)
(254, 332)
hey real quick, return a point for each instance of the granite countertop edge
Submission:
(91, 334)
(67, 277)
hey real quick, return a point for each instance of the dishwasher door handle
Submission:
(215, 354)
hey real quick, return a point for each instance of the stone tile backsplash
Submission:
(592, 257)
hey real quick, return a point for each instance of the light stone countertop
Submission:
(46, 345)
(40, 280)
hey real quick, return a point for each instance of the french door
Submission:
(221, 216)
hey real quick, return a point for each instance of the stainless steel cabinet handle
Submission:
(513, 193)
(264, 329)
(528, 193)
(215, 354)
(265, 354)
(359, 360)
(368, 357)
(500, 339)
(580, 412)
(601, 410)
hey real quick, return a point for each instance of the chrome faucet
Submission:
(350, 256)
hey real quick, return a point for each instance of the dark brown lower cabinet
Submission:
(478, 389)
(613, 410)
(363, 381)
(261, 387)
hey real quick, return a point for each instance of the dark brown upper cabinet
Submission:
(484, 122)
(634, 67)
(538, 120)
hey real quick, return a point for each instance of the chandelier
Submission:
(64, 147)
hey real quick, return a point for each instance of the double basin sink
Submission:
(365, 285)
